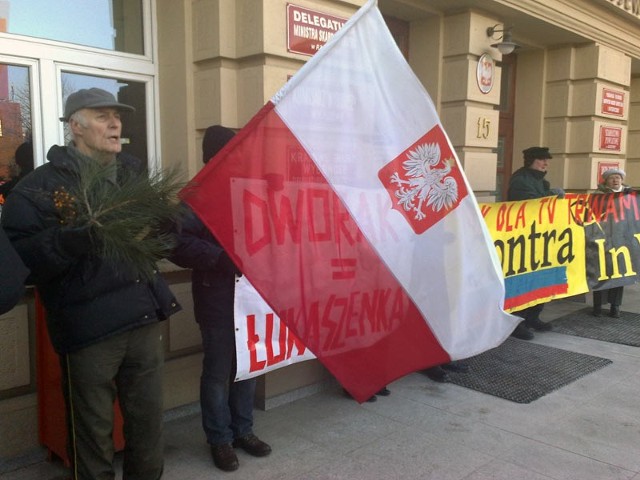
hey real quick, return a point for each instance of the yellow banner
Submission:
(541, 249)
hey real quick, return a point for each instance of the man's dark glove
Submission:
(226, 264)
(77, 241)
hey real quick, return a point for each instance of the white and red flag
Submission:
(344, 204)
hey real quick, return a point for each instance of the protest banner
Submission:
(549, 248)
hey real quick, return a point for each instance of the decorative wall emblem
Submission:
(485, 73)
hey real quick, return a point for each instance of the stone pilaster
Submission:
(586, 109)
(468, 114)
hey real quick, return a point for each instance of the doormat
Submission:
(624, 330)
(521, 371)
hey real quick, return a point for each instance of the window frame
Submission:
(49, 58)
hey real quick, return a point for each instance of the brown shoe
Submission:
(224, 457)
(252, 445)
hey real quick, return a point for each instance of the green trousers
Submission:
(126, 368)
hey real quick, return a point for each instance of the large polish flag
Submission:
(344, 204)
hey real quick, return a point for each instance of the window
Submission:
(109, 24)
(15, 119)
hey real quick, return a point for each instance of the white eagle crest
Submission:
(423, 182)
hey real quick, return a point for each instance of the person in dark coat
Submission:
(612, 182)
(102, 318)
(15, 171)
(8, 179)
(227, 405)
(526, 183)
(13, 273)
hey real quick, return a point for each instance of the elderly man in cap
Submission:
(527, 183)
(103, 320)
(612, 182)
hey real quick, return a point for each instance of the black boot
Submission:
(539, 325)
(384, 392)
(597, 310)
(456, 366)
(615, 311)
(437, 374)
(522, 332)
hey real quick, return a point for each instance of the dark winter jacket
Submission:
(86, 298)
(213, 273)
(527, 183)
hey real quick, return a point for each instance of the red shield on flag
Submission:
(424, 182)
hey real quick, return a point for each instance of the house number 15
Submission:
(484, 125)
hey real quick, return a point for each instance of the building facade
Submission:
(572, 84)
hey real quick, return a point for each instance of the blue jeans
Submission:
(227, 406)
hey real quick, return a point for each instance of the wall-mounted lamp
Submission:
(506, 45)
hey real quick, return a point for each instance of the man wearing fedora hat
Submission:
(526, 183)
(103, 319)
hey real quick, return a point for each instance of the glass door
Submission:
(16, 124)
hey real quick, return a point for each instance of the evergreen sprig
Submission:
(130, 221)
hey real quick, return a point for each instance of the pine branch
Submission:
(130, 221)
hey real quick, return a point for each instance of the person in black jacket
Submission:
(227, 405)
(103, 319)
(526, 183)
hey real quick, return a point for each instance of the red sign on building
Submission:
(308, 30)
(612, 102)
(610, 138)
(604, 166)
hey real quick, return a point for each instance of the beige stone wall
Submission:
(559, 98)
(239, 59)
(633, 135)
(425, 55)
(15, 363)
(175, 79)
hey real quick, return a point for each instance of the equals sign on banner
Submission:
(343, 268)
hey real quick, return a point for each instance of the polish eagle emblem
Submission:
(424, 182)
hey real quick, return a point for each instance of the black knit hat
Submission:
(215, 138)
(535, 153)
